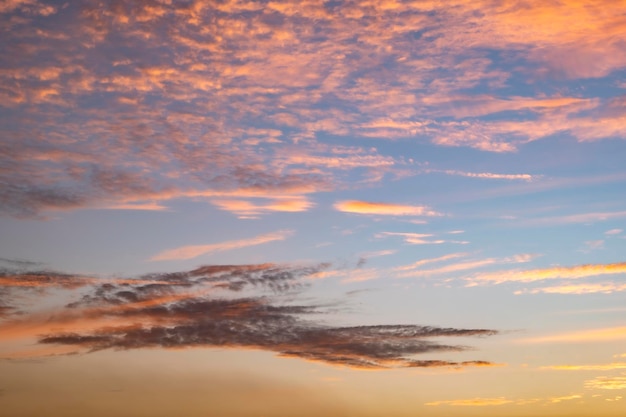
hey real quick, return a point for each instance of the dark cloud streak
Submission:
(233, 306)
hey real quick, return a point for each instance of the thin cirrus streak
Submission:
(602, 367)
(413, 270)
(189, 310)
(249, 210)
(565, 272)
(607, 382)
(585, 336)
(383, 209)
(490, 402)
(472, 402)
(576, 218)
(420, 238)
(193, 251)
(584, 288)
(486, 175)
(422, 262)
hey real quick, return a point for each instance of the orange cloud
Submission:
(473, 402)
(461, 266)
(193, 251)
(603, 367)
(532, 275)
(590, 336)
(585, 288)
(488, 402)
(607, 382)
(251, 87)
(384, 209)
(248, 209)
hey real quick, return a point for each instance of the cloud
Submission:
(487, 175)
(414, 270)
(136, 206)
(412, 238)
(193, 251)
(613, 232)
(383, 209)
(542, 274)
(230, 306)
(247, 209)
(577, 218)
(489, 402)
(590, 336)
(192, 105)
(419, 238)
(607, 382)
(473, 402)
(422, 262)
(584, 288)
(602, 367)
(375, 254)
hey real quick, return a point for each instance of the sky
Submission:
(343, 208)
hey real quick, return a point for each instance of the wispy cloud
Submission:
(423, 262)
(577, 218)
(248, 209)
(578, 288)
(414, 269)
(384, 209)
(607, 382)
(487, 175)
(601, 367)
(193, 251)
(228, 306)
(456, 267)
(413, 238)
(542, 274)
(490, 402)
(472, 402)
(591, 336)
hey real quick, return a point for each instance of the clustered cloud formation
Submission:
(226, 306)
(247, 105)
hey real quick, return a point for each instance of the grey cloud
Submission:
(233, 306)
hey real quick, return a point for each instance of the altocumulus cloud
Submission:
(225, 100)
(227, 306)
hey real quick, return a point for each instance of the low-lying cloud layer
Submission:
(227, 306)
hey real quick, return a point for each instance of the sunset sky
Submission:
(305, 208)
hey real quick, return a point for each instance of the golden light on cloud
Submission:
(489, 402)
(585, 288)
(607, 382)
(384, 209)
(248, 209)
(473, 402)
(601, 367)
(582, 336)
(532, 275)
(193, 251)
